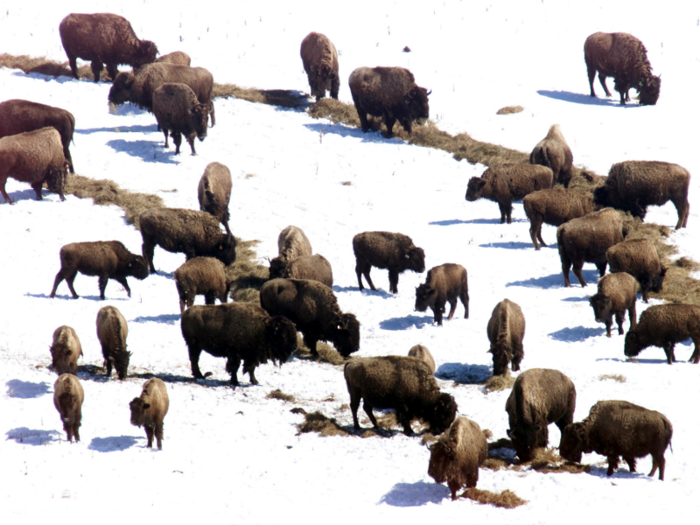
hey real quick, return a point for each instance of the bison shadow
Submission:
(576, 299)
(26, 389)
(163, 318)
(452, 222)
(404, 323)
(364, 291)
(139, 128)
(557, 280)
(113, 444)
(510, 245)
(579, 333)
(464, 374)
(25, 195)
(580, 98)
(148, 151)
(346, 131)
(68, 297)
(491, 221)
(28, 436)
(415, 494)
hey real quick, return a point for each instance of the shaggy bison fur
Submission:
(313, 267)
(422, 353)
(176, 57)
(639, 258)
(506, 183)
(553, 152)
(635, 184)
(149, 409)
(586, 239)
(112, 332)
(623, 57)
(619, 428)
(239, 332)
(506, 329)
(65, 350)
(456, 456)
(194, 233)
(405, 384)
(20, 116)
(104, 259)
(321, 65)
(68, 399)
(178, 111)
(103, 38)
(292, 242)
(214, 192)
(664, 325)
(34, 157)
(617, 293)
(390, 93)
(314, 309)
(393, 251)
(444, 283)
(201, 276)
(540, 396)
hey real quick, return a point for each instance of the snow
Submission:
(236, 455)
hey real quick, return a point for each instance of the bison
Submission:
(553, 152)
(149, 409)
(292, 242)
(201, 276)
(112, 332)
(65, 350)
(617, 292)
(176, 57)
(422, 353)
(68, 399)
(506, 329)
(639, 258)
(444, 283)
(178, 111)
(321, 65)
(390, 93)
(214, 192)
(313, 267)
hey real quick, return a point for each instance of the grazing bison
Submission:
(104, 259)
(20, 116)
(321, 65)
(422, 353)
(586, 239)
(313, 267)
(505, 183)
(506, 329)
(405, 384)
(314, 309)
(103, 38)
(149, 409)
(456, 456)
(68, 399)
(239, 332)
(194, 233)
(292, 242)
(178, 111)
(555, 206)
(444, 283)
(664, 325)
(553, 152)
(34, 157)
(214, 192)
(176, 57)
(201, 276)
(619, 428)
(112, 332)
(139, 86)
(617, 292)
(65, 350)
(390, 93)
(639, 258)
(540, 396)
(393, 251)
(624, 57)
(635, 184)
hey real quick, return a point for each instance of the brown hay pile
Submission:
(278, 394)
(548, 461)
(246, 275)
(615, 377)
(106, 192)
(505, 499)
(496, 383)
(326, 352)
(317, 422)
(509, 110)
(46, 67)
(274, 97)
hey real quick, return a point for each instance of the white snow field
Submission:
(235, 455)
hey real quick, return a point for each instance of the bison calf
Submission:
(65, 350)
(68, 399)
(201, 276)
(506, 329)
(444, 283)
(149, 409)
(617, 292)
(112, 331)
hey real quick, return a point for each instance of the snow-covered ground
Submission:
(236, 455)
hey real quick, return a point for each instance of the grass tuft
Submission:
(509, 110)
(505, 499)
(326, 352)
(246, 276)
(278, 394)
(615, 377)
(317, 422)
(497, 383)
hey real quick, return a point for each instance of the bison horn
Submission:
(429, 92)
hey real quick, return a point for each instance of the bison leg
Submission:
(177, 139)
(311, 342)
(404, 419)
(454, 487)
(602, 78)
(112, 70)
(149, 436)
(613, 462)
(165, 132)
(389, 121)
(608, 326)
(368, 410)
(73, 61)
(464, 297)
(250, 370)
(578, 266)
(76, 433)
(103, 285)
(211, 113)
(633, 314)
(147, 249)
(536, 233)
(194, 352)
(696, 352)
(70, 277)
(108, 366)
(601, 267)
(8, 200)
(518, 355)
(355, 398)
(233, 363)
(62, 274)
(210, 297)
(190, 140)
(670, 355)
(96, 67)
(682, 207)
(37, 188)
(124, 283)
(363, 268)
(632, 462)
(335, 87)
(619, 318)
(159, 435)
(565, 267)
(393, 281)
(660, 463)
(437, 314)
(453, 309)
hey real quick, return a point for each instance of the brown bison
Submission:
(176, 57)
(68, 399)
(112, 332)
(422, 353)
(639, 258)
(321, 65)
(19, 116)
(103, 38)
(34, 157)
(314, 267)
(553, 152)
(149, 409)
(214, 192)
(664, 325)
(201, 276)
(624, 57)
(444, 283)
(178, 111)
(292, 242)
(617, 293)
(65, 350)
(506, 329)
(390, 93)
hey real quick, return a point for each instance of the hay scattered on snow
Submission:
(505, 499)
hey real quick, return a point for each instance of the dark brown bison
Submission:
(390, 93)
(321, 65)
(314, 267)
(624, 57)
(103, 38)
(506, 329)
(19, 116)
(178, 111)
(214, 192)
(444, 283)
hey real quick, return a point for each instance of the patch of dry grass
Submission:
(274, 97)
(496, 383)
(326, 353)
(278, 394)
(246, 275)
(317, 422)
(509, 110)
(615, 377)
(505, 499)
(546, 461)
(46, 67)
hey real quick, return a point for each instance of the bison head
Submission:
(601, 307)
(60, 356)
(524, 438)
(573, 442)
(138, 411)
(502, 357)
(199, 116)
(649, 89)
(138, 267)
(120, 91)
(56, 179)
(146, 53)
(474, 187)
(281, 336)
(120, 360)
(425, 297)
(277, 267)
(657, 282)
(417, 103)
(442, 414)
(415, 259)
(226, 250)
(632, 344)
(346, 334)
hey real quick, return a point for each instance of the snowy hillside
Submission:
(236, 454)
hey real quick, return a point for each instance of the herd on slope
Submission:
(299, 296)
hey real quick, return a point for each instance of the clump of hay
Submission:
(548, 461)
(346, 183)
(246, 275)
(44, 66)
(509, 110)
(615, 377)
(317, 422)
(498, 463)
(336, 111)
(278, 394)
(505, 499)
(326, 352)
(496, 383)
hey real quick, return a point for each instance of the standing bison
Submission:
(444, 283)
(617, 293)
(178, 111)
(553, 152)
(390, 93)
(149, 409)
(506, 329)
(103, 38)
(214, 192)
(112, 332)
(292, 243)
(321, 65)
(624, 57)
(19, 116)
(68, 399)
(640, 259)
(65, 350)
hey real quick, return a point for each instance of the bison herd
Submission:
(34, 141)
